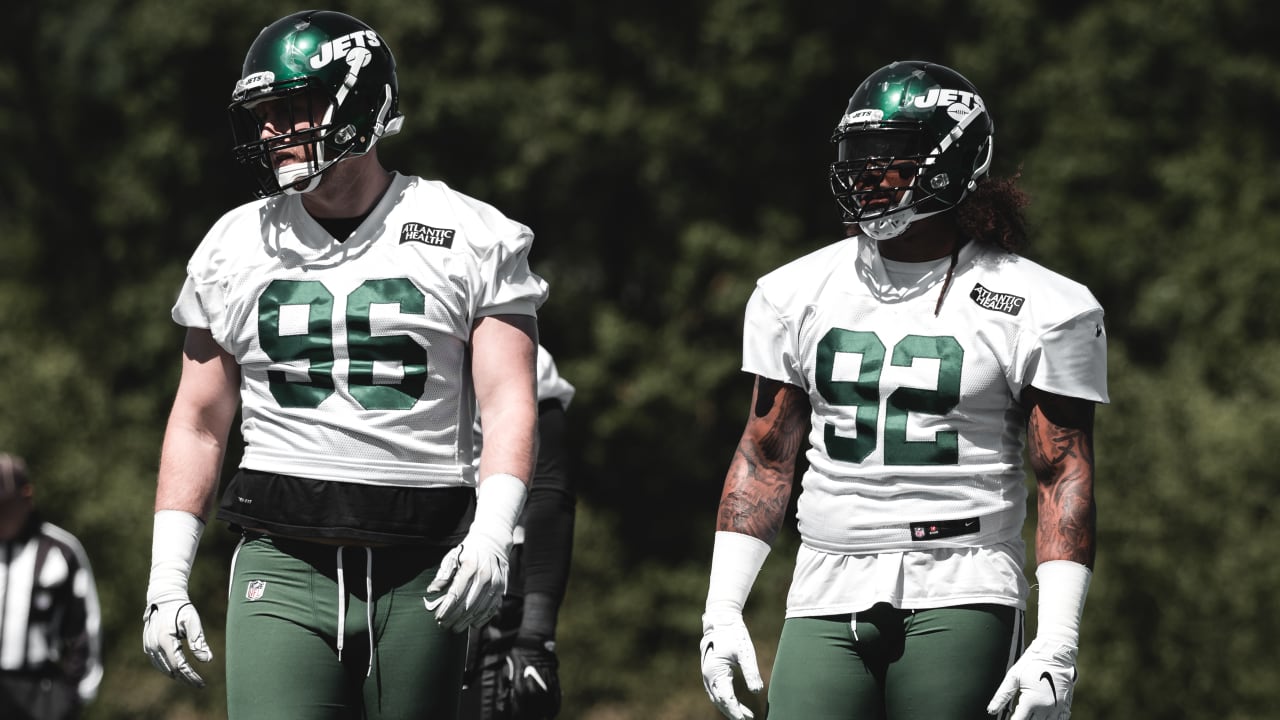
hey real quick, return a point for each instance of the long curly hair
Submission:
(993, 214)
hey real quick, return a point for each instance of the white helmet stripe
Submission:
(357, 58)
(959, 129)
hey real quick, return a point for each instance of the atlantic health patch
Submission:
(427, 235)
(1000, 302)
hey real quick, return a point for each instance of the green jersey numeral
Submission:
(864, 395)
(316, 344)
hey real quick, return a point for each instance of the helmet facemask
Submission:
(874, 179)
(293, 110)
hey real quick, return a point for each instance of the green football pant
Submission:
(287, 602)
(891, 664)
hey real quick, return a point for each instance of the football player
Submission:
(356, 317)
(914, 356)
(513, 672)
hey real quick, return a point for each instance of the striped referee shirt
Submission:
(49, 614)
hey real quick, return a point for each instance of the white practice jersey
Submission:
(917, 430)
(550, 385)
(354, 355)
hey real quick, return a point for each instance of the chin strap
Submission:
(293, 189)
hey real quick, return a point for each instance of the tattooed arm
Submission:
(1060, 435)
(753, 505)
(757, 487)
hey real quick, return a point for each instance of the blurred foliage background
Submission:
(668, 153)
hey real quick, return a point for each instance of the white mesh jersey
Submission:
(354, 355)
(916, 437)
(550, 385)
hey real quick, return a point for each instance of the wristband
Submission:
(1063, 585)
(174, 539)
(735, 561)
(499, 500)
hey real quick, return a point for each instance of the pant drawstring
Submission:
(368, 605)
(342, 604)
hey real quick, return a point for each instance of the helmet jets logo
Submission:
(958, 103)
(866, 115)
(340, 46)
(254, 81)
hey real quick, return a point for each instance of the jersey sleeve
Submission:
(550, 385)
(509, 286)
(770, 346)
(201, 302)
(1070, 358)
(188, 311)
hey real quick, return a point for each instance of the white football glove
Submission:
(1044, 678)
(165, 625)
(169, 617)
(1043, 681)
(735, 561)
(726, 644)
(473, 575)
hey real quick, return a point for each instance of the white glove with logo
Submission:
(1043, 679)
(169, 617)
(473, 575)
(735, 562)
(726, 644)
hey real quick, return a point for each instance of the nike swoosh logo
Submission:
(530, 673)
(707, 650)
(1052, 688)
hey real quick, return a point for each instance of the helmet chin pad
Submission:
(889, 226)
(288, 176)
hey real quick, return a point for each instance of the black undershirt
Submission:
(341, 228)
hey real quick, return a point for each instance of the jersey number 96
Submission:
(316, 345)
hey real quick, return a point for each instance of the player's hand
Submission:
(1042, 680)
(725, 644)
(472, 578)
(535, 680)
(165, 624)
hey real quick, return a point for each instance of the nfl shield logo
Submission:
(256, 589)
(918, 531)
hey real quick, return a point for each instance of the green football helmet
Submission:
(322, 65)
(914, 141)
